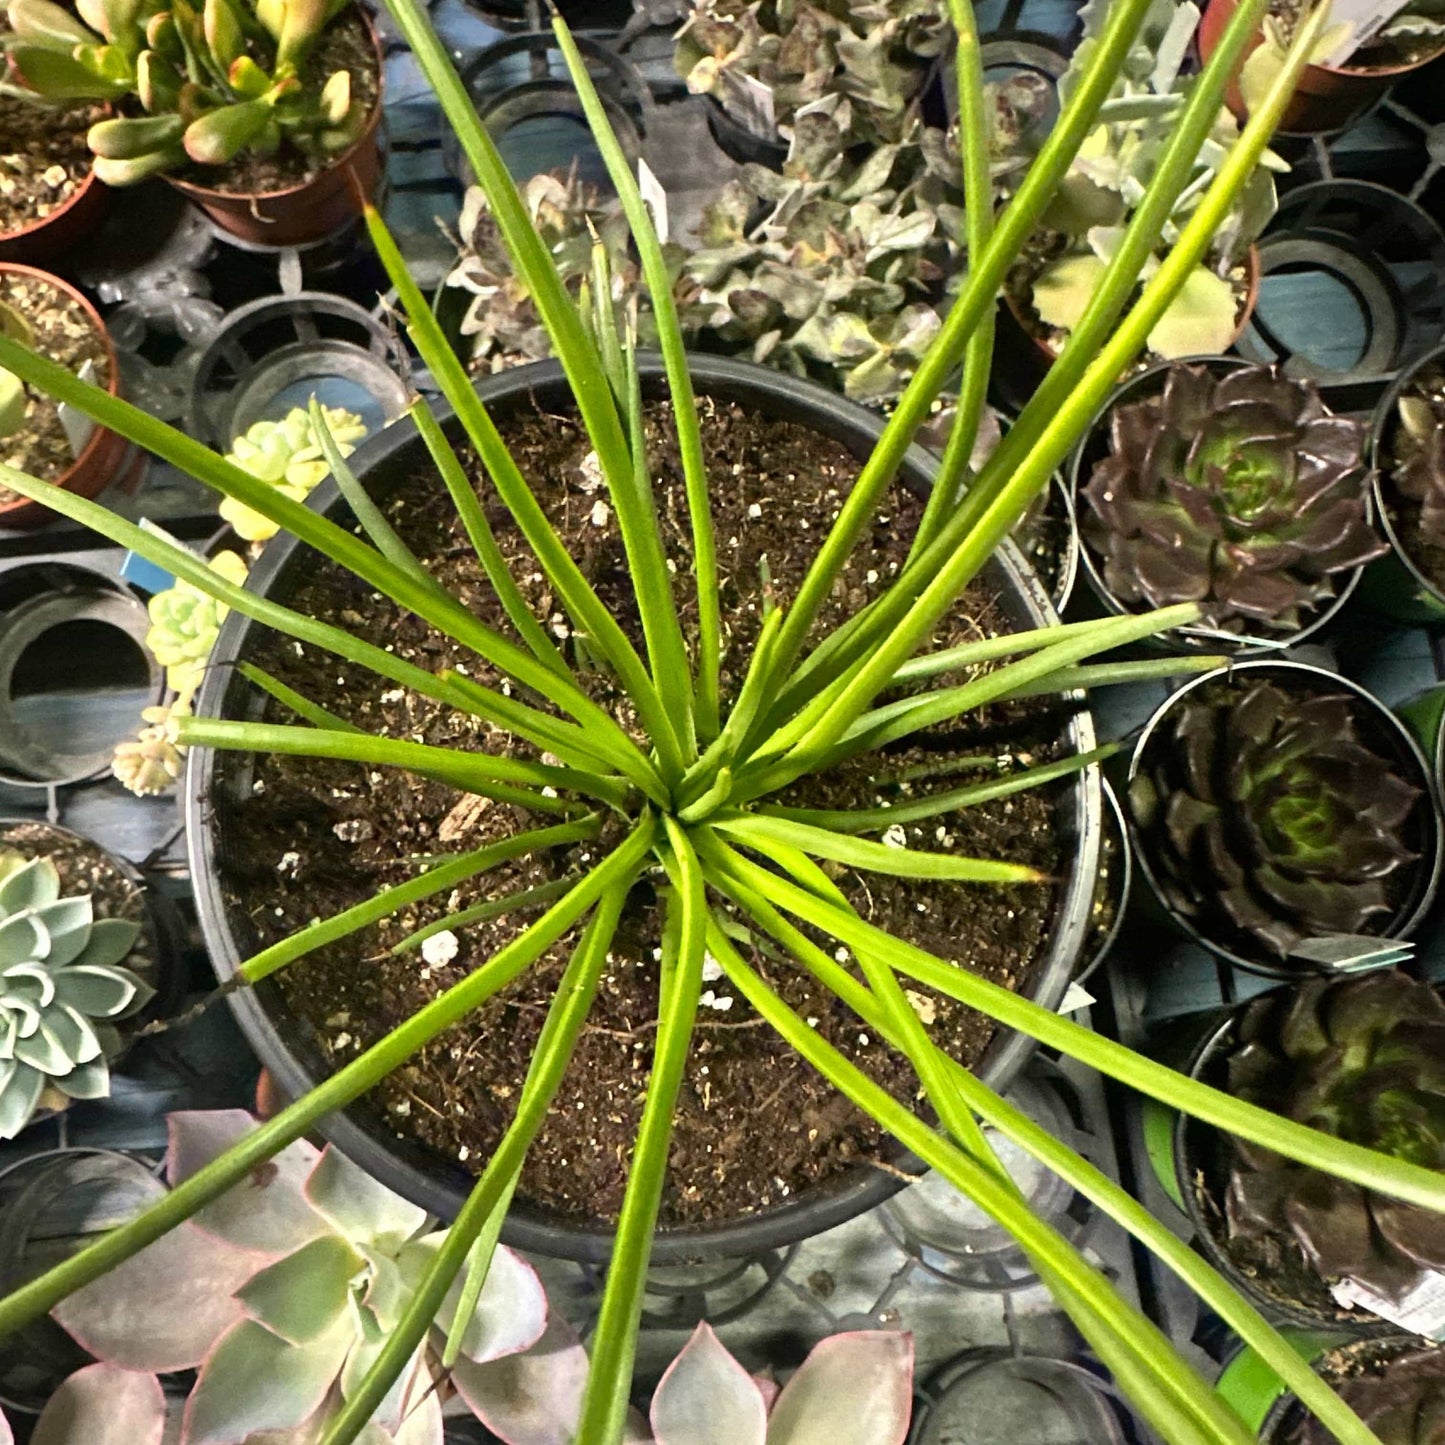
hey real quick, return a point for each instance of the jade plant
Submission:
(63, 989)
(1108, 179)
(1360, 1059)
(768, 62)
(1240, 492)
(1267, 820)
(194, 85)
(1417, 463)
(1403, 1398)
(281, 1292)
(678, 789)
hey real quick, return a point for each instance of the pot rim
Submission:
(812, 1211)
(209, 195)
(31, 229)
(1380, 421)
(1246, 644)
(99, 436)
(1410, 920)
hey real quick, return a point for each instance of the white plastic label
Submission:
(1421, 1311)
(1076, 996)
(655, 197)
(1361, 19)
(753, 101)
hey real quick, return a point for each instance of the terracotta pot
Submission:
(1327, 97)
(53, 235)
(101, 457)
(1025, 357)
(315, 208)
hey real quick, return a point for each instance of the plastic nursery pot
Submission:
(312, 210)
(52, 1205)
(1326, 98)
(1397, 584)
(1095, 447)
(741, 143)
(1193, 1170)
(1025, 357)
(104, 452)
(1264, 1402)
(1115, 885)
(435, 1182)
(1380, 730)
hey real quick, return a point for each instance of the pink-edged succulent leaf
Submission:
(304, 1295)
(412, 1380)
(255, 1380)
(511, 1311)
(165, 1308)
(770, 1389)
(267, 1211)
(356, 1205)
(6, 1436)
(707, 1398)
(854, 1389)
(312, 1431)
(421, 1423)
(532, 1398)
(102, 1405)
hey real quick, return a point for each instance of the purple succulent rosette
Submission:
(1264, 813)
(1419, 463)
(1242, 493)
(1362, 1059)
(1403, 1401)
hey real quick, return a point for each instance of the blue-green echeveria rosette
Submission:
(1362, 1059)
(1240, 492)
(1266, 819)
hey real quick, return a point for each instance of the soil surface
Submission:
(346, 45)
(1404, 512)
(64, 332)
(302, 839)
(1384, 52)
(44, 159)
(1337, 1367)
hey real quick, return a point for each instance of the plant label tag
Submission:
(1353, 952)
(1076, 996)
(1359, 20)
(77, 426)
(1421, 1310)
(1173, 47)
(753, 106)
(147, 575)
(655, 197)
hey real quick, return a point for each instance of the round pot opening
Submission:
(421, 1174)
(1380, 731)
(1095, 446)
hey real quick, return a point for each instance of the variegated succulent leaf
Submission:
(1240, 492)
(1364, 1060)
(62, 989)
(1268, 819)
(185, 623)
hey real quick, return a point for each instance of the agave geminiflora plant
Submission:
(693, 780)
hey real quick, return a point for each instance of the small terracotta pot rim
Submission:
(367, 137)
(99, 435)
(31, 228)
(1354, 72)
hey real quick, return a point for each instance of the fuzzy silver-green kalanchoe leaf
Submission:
(62, 988)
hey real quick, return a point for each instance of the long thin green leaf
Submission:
(614, 1345)
(303, 707)
(1366, 1167)
(679, 380)
(555, 1045)
(38, 1296)
(518, 902)
(1111, 674)
(507, 779)
(388, 901)
(910, 810)
(757, 830)
(484, 542)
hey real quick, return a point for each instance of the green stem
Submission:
(518, 902)
(1111, 674)
(303, 707)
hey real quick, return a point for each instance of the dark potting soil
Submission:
(1404, 512)
(64, 332)
(1357, 1360)
(304, 839)
(345, 45)
(44, 159)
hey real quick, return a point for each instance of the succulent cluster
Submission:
(836, 268)
(1239, 492)
(1418, 455)
(784, 56)
(1364, 1060)
(62, 990)
(287, 454)
(1085, 222)
(291, 1282)
(1266, 820)
(199, 85)
(14, 400)
(1402, 1400)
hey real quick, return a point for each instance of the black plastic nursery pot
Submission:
(1380, 730)
(1396, 584)
(1191, 1165)
(440, 1184)
(1095, 446)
